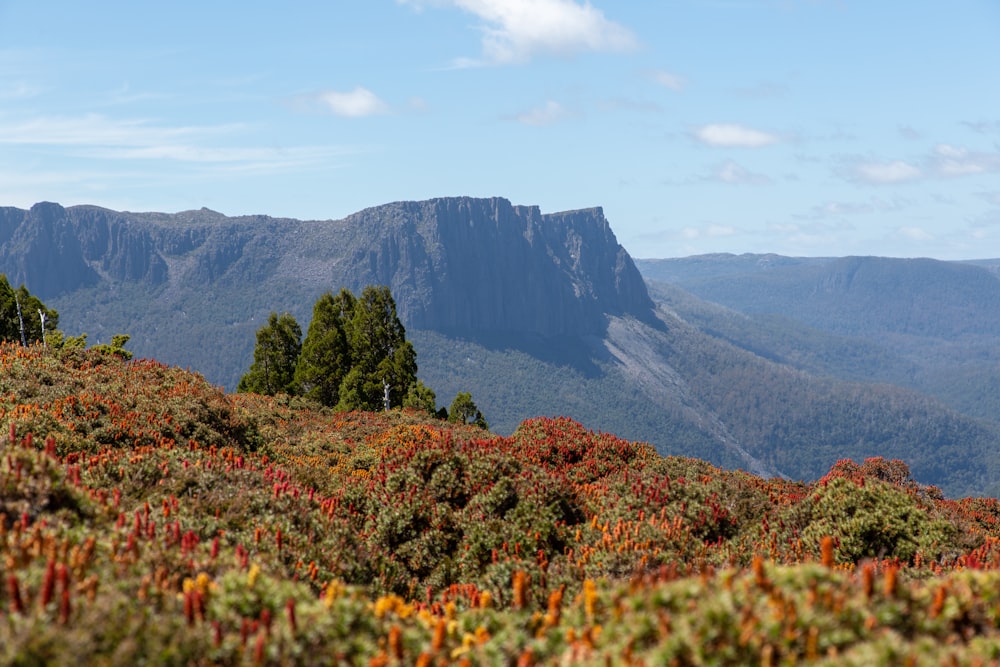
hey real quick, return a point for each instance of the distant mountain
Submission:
(930, 325)
(535, 314)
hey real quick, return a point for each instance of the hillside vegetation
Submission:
(146, 516)
(923, 324)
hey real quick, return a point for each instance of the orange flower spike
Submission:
(868, 579)
(520, 589)
(940, 595)
(440, 634)
(396, 642)
(890, 581)
(826, 551)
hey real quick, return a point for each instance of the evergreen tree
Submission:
(32, 310)
(383, 362)
(464, 411)
(326, 354)
(421, 397)
(274, 357)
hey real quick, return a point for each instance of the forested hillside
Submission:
(147, 517)
(925, 324)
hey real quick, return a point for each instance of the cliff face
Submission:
(467, 265)
(55, 251)
(454, 265)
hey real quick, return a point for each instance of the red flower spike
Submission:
(48, 584)
(64, 606)
(14, 587)
(290, 611)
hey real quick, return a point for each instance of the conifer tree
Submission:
(464, 411)
(31, 313)
(274, 357)
(383, 362)
(421, 397)
(326, 353)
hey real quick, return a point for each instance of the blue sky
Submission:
(790, 126)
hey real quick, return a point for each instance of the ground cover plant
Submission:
(148, 517)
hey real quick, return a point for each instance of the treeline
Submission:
(355, 356)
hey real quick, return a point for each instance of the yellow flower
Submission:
(252, 575)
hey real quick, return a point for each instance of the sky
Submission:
(798, 127)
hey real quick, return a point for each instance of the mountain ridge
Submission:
(536, 314)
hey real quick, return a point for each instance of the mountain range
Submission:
(546, 314)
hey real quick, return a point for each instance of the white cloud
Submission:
(945, 161)
(514, 31)
(733, 136)
(950, 160)
(668, 80)
(356, 103)
(883, 173)
(551, 112)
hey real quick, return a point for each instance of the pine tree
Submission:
(326, 353)
(383, 362)
(274, 357)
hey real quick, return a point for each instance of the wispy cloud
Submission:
(914, 234)
(710, 230)
(731, 135)
(99, 137)
(19, 90)
(841, 209)
(948, 160)
(990, 197)
(885, 173)
(944, 161)
(547, 114)
(515, 31)
(98, 130)
(983, 126)
(668, 80)
(734, 174)
(763, 90)
(356, 103)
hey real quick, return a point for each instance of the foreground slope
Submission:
(145, 516)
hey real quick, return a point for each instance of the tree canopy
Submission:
(274, 357)
(32, 312)
(355, 356)
(464, 411)
(326, 353)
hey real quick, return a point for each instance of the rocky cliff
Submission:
(454, 264)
